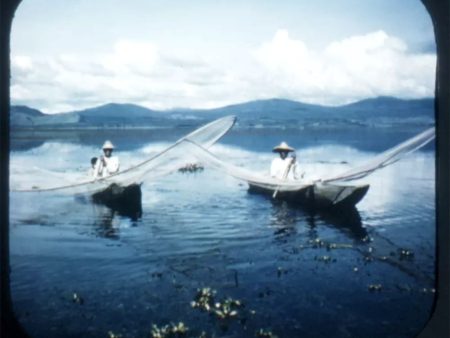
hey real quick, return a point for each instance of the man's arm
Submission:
(98, 168)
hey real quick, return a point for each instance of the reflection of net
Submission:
(161, 164)
(384, 159)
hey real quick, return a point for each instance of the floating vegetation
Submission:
(227, 309)
(367, 239)
(262, 333)
(76, 298)
(432, 290)
(169, 331)
(325, 259)
(204, 300)
(281, 271)
(375, 287)
(317, 243)
(114, 335)
(405, 254)
(191, 168)
(332, 246)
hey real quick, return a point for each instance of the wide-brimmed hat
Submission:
(108, 145)
(283, 146)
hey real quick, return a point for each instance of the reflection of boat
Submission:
(126, 200)
(348, 220)
(323, 195)
(286, 215)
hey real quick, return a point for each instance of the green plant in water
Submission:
(169, 331)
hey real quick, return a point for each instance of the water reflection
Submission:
(104, 224)
(285, 217)
(126, 201)
(108, 216)
(348, 220)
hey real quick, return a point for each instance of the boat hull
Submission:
(323, 195)
(126, 200)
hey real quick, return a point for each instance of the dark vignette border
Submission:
(439, 323)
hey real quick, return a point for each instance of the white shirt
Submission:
(111, 167)
(279, 168)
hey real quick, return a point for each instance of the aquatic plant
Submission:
(169, 331)
(114, 335)
(325, 259)
(374, 287)
(405, 254)
(76, 298)
(262, 333)
(317, 243)
(227, 308)
(204, 299)
(191, 168)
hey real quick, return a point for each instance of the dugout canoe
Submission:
(322, 195)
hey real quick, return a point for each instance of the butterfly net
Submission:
(163, 163)
(382, 160)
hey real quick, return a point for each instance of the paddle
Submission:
(285, 174)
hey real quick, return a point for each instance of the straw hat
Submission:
(283, 146)
(108, 145)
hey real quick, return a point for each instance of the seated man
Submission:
(283, 167)
(107, 164)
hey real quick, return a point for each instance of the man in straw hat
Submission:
(107, 164)
(283, 167)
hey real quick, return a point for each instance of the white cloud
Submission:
(350, 69)
(139, 72)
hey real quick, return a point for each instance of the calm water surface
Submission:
(368, 272)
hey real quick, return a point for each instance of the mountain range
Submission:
(272, 112)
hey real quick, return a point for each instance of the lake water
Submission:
(83, 270)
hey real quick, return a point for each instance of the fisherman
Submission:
(284, 167)
(107, 164)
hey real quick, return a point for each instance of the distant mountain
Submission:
(390, 107)
(381, 111)
(25, 117)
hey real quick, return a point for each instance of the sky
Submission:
(164, 54)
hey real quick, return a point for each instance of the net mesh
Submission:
(386, 158)
(256, 179)
(163, 163)
(382, 160)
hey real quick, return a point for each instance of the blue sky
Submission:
(75, 54)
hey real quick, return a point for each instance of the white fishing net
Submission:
(163, 163)
(386, 158)
(256, 179)
(382, 160)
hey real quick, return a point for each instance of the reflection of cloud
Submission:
(140, 72)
